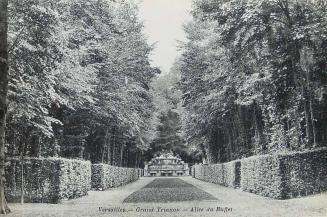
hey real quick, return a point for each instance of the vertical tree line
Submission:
(254, 77)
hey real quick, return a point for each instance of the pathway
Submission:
(142, 198)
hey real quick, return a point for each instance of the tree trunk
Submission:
(108, 143)
(121, 155)
(22, 176)
(113, 147)
(4, 209)
(136, 159)
(108, 153)
(102, 154)
(105, 147)
(312, 119)
(213, 146)
(307, 117)
(258, 127)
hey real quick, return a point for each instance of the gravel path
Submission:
(168, 190)
(230, 202)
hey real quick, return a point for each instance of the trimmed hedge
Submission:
(47, 180)
(105, 176)
(227, 174)
(261, 175)
(279, 176)
(284, 176)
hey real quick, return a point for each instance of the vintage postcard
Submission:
(163, 108)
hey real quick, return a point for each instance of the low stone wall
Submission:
(227, 174)
(285, 176)
(47, 180)
(105, 176)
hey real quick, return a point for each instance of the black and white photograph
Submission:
(163, 108)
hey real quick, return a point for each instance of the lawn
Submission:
(168, 190)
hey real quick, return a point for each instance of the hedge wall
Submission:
(105, 176)
(284, 176)
(227, 174)
(280, 176)
(47, 180)
(261, 175)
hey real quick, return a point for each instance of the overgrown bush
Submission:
(47, 180)
(105, 176)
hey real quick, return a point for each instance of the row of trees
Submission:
(78, 84)
(254, 77)
(169, 136)
(79, 81)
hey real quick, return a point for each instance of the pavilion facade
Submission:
(166, 165)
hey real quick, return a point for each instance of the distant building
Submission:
(166, 165)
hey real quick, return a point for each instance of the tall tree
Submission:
(3, 98)
(253, 77)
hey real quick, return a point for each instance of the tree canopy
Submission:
(79, 81)
(254, 77)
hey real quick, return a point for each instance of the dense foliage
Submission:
(254, 77)
(169, 113)
(79, 81)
